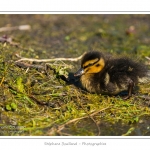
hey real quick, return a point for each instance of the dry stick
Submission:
(21, 27)
(52, 60)
(4, 39)
(48, 60)
(26, 65)
(77, 119)
(147, 58)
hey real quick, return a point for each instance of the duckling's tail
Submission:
(145, 79)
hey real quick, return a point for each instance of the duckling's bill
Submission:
(79, 72)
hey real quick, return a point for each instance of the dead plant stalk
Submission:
(48, 60)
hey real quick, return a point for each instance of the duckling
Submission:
(103, 74)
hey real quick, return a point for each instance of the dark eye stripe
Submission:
(88, 65)
(91, 64)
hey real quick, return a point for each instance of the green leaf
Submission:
(13, 106)
(20, 85)
(8, 107)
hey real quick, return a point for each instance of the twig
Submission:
(7, 39)
(48, 60)
(38, 101)
(98, 128)
(147, 57)
(77, 119)
(26, 65)
(21, 27)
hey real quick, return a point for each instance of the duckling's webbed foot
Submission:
(130, 89)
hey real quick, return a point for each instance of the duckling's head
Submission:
(91, 63)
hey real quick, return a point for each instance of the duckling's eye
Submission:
(97, 65)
